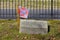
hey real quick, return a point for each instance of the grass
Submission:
(31, 4)
(9, 30)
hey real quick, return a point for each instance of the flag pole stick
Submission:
(18, 17)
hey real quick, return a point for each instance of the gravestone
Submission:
(33, 26)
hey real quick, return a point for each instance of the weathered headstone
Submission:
(33, 26)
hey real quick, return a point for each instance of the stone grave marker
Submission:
(33, 26)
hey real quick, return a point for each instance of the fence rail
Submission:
(39, 9)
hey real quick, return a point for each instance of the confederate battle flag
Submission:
(23, 12)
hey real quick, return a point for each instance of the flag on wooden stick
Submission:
(23, 12)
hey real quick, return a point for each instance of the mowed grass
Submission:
(27, 4)
(32, 4)
(9, 30)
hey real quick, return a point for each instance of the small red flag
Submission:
(23, 12)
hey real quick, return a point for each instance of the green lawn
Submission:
(10, 31)
(33, 4)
